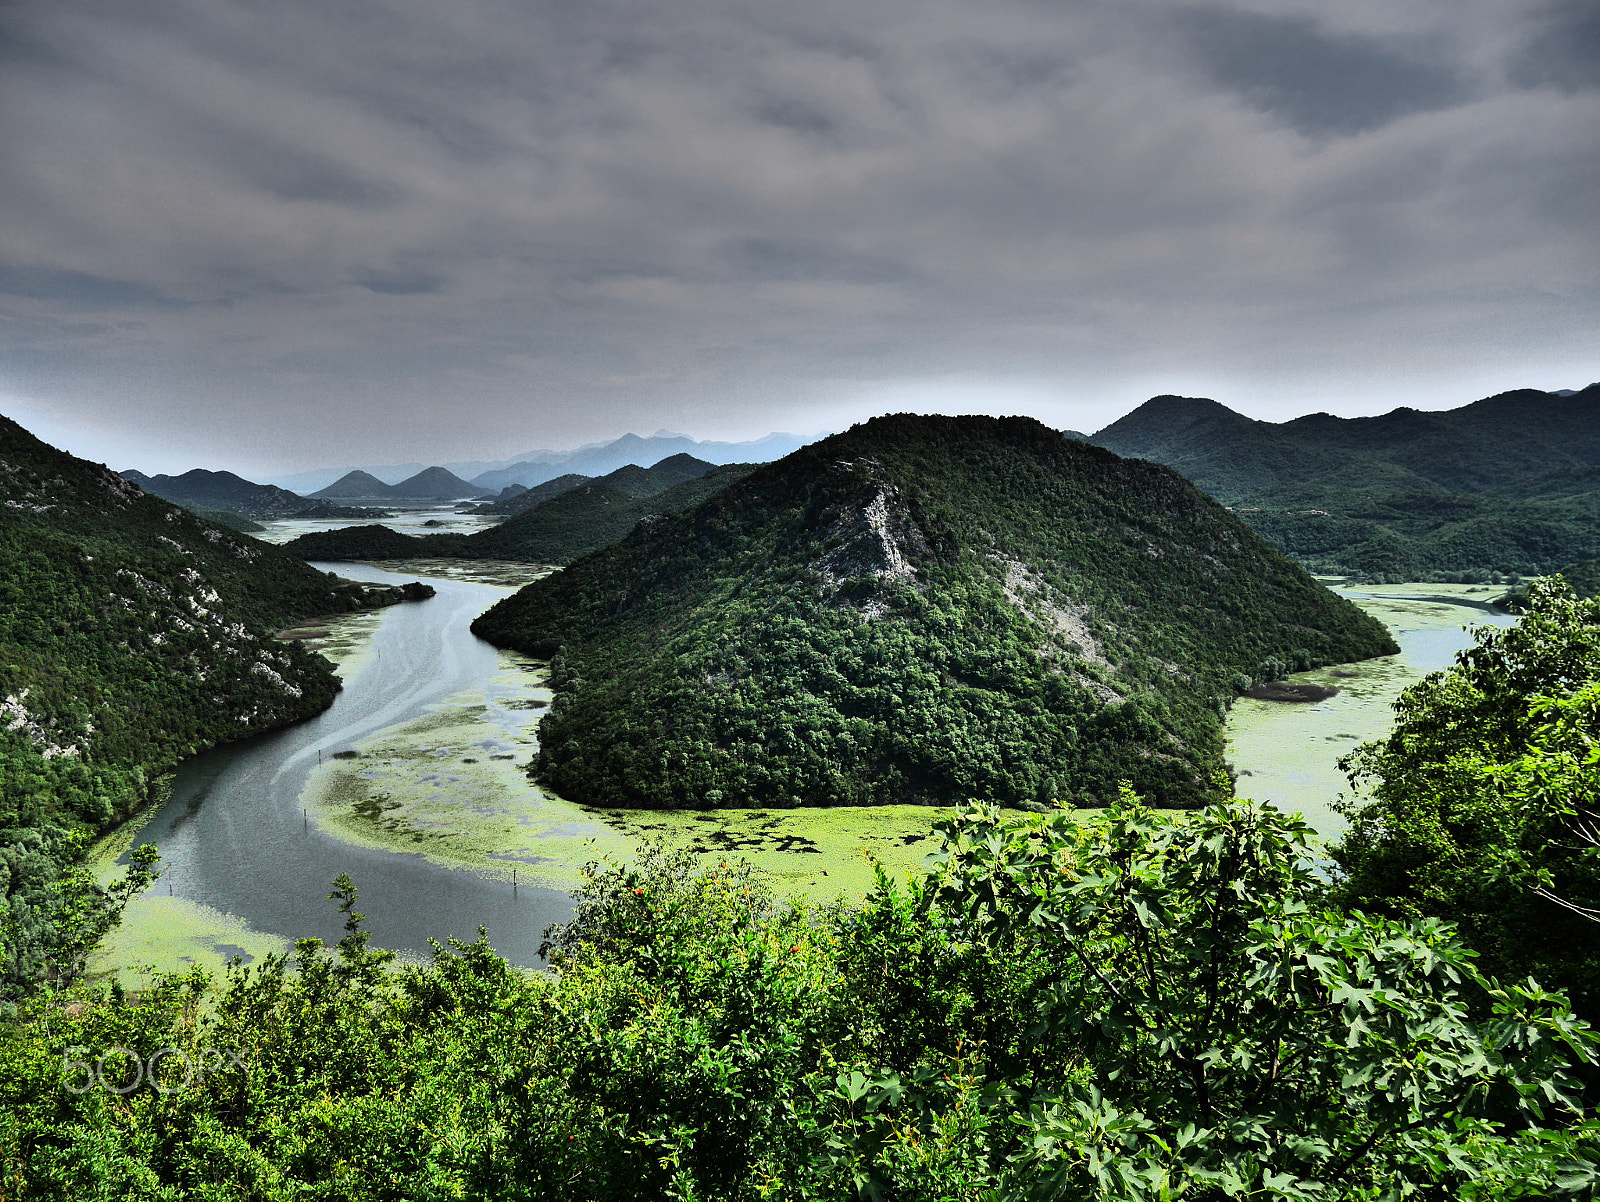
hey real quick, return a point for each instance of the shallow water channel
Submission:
(1288, 752)
(245, 868)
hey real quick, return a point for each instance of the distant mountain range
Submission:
(223, 497)
(1509, 484)
(536, 467)
(556, 527)
(630, 480)
(219, 490)
(1522, 444)
(430, 484)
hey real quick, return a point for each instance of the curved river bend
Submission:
(246, 871)
(234, 837)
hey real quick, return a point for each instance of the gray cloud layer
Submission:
(467, 229)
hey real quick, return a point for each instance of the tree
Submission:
(1231, 1038)
(1480, 798)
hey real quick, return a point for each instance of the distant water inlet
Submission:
(1289, 753)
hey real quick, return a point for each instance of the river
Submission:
(413, 784)
(1288, 753)
(242, 859)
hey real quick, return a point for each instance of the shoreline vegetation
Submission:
(1283, 753)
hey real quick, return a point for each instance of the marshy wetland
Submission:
(1286, 751)
(415, 783)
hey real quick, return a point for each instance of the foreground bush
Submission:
(1140, 1007)
(1484, 801)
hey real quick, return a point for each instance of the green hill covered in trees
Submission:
(921, 609)
(557, 530)
(1509, 484)
(132, 634)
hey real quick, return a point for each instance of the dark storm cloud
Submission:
(1564, 49)
(1317, 82)
(75, 289)
(400, 283)
(565, 220)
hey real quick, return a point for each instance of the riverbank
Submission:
(1287, 753)
(434, 782)
(453, 787)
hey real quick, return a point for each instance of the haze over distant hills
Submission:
(556, 526)
(536, 467)
(232, 500)
(430, 484)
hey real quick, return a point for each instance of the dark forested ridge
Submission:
(631, 479)
(213, 494)
(921, 609)
(557, 530)
(1508, 484)
(132, 633)
(513, 502)
(220, 490)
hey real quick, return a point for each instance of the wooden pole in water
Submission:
(513, 878)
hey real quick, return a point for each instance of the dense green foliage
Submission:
(1583, 578)
(1140, 1008)
(132, 633)
(557, 530)
(1510, 484)
(372, 542)
(1484, 802)
(921, 609)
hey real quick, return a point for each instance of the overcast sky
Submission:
(315, 232)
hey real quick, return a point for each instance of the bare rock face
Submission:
(872, 534)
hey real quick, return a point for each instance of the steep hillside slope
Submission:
(921, 609)
(132, 633)
(1508, 484)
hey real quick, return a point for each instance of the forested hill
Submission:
(631, 480)
(132, 633)
(557, 530)
(920, 609)
(221, 490)
(1508, 484)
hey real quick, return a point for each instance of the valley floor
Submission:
(452, 785)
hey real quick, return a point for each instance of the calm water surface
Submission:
(233, 836)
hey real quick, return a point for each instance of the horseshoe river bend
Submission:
(414, 783)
